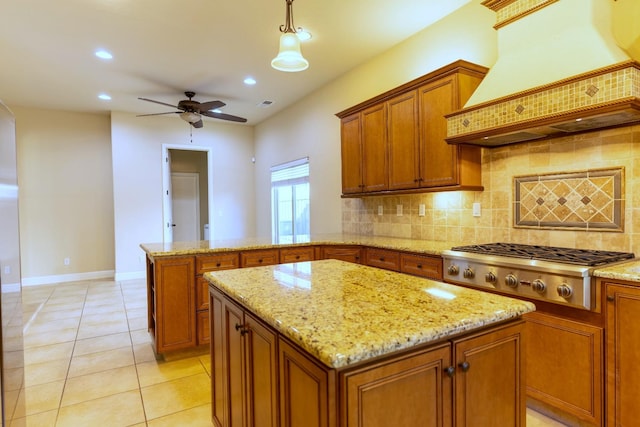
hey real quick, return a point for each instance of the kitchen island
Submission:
(330, 343)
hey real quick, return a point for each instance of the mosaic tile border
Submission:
(585, 200)
(508, 11)
(610, 84)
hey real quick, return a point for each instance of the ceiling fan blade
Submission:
(211, 105)
(197, 124)
(223, 116)
(158, 102)
(159, 114)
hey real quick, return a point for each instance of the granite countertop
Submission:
(344, 313)
(629, 271)
(213, 246)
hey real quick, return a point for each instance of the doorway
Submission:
(187, 193)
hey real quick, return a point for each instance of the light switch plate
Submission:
(421, 211)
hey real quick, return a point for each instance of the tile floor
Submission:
(88, 361)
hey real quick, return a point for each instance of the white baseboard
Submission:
(10, 287)
(73, 277)
(131, 275)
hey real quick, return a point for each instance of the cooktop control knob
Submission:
(490, 277)
(468, 273)
(539, 286)
(511, 281)
(565, 290)
(453, 270)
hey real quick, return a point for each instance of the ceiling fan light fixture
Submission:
(190, 117)
(289, 57)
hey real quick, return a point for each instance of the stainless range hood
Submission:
(559, 71)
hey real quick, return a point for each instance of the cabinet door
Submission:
(202, 318)
(573, 382)
(227, 362)
(374, 148)
(297, 254)
(438, 160)
(175, 294)
(344, 253)
(623, 354)
(351, 154)
(383, 258)
(304, 390)
(411, 391)
(489, 379)
(261, 361)
(258, 258)
(403, 141)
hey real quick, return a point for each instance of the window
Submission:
(290, 202)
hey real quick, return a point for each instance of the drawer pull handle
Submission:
(382, 259)
(218, 264)
(419, 266)
(260, 260)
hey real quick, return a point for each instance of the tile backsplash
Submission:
(448, 215)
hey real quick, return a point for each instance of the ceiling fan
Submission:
(192, 111)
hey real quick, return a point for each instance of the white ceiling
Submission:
(163, 47)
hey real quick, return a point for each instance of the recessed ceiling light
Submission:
(250, 81)
(104, 97)
(103, 54)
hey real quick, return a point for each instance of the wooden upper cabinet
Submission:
(401, 135)
(351, 154)
(403, 141)
(442, 164)
(374, 148)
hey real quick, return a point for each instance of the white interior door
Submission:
(167, 220)
(185, 206)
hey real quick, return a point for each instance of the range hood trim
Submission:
(542, 124)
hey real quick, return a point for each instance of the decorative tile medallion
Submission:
(586, 200)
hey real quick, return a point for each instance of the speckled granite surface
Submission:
(212, 246)
(629, 271)
(344, 313)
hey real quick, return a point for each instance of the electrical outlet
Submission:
(399, 210)
(476, 209)
(380, 210)
(67, 261)
(421, 210)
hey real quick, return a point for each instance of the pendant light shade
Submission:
(289, 57)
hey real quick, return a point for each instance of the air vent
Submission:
(265, 104)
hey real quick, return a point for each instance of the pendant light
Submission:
(289, 57)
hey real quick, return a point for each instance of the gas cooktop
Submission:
(584, 257)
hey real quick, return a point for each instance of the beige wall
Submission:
(310, 127)
(137, 181)
(66, 198)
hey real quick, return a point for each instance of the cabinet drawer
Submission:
(421, 265)
(225, 261)
(257, 258)
(382, 258)
(343, 253)
(203, 327)
(297, 254)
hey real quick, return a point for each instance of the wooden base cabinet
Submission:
(623, 354)
(244, 367)
(564, 366)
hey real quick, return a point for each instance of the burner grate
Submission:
(586, 257)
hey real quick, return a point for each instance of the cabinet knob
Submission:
(450, 371)
(260, 260)
(218, 264)
(464, 366)
(382, 259)
(419, 265)
(611, 298)
(243, 330)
